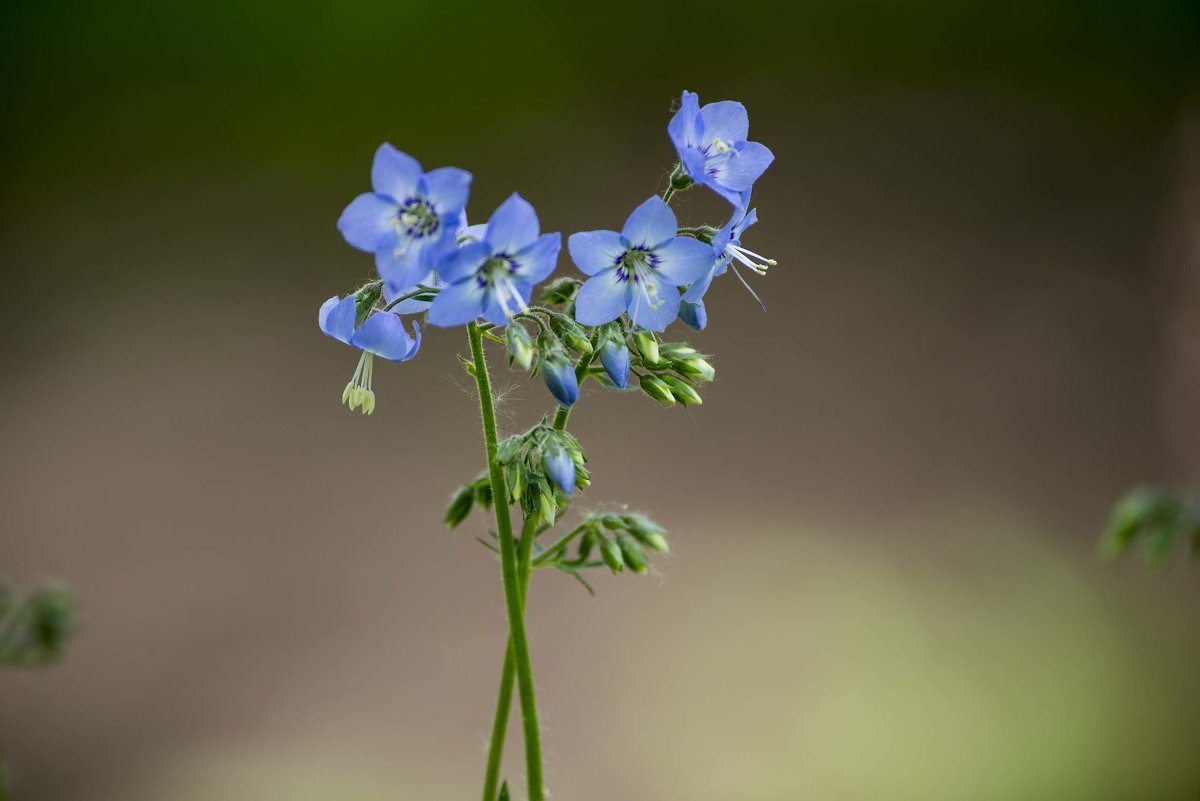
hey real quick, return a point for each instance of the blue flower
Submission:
(614, 355)
(638, 269)
(712, 146)
(559, 375)
(560, 467)
(727, 247)
(382, 334)
(410, 219)
(493, 276)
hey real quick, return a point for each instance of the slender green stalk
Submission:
(512, 583)
(491, 781)
(669, 193)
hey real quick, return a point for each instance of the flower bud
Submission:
(656, 389)
(520, 345)
(610, 552)
(559, 374)
(560, 291)
(647, 532)
(696, 368)
(569, 332)
(647, 345)
(614, 355)
(459, 506)
(633, 556)
(682, 390)
(560, 467)
(694, 315)
(547, 508)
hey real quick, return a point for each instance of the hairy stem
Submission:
(512, 582)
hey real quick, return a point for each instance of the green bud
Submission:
(612, 522)
(365, 299)
(459, 506)
(682, 390)
(634, 558)
(560, 291)
(705, 234)
(656, 389)
(610, 552)
(647, 345)
(647, 532)
(587, 542)
(546, 505)
(695, 368)
(569, 332)
(520, 345)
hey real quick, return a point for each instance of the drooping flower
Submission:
(410, 219)
(712, 147)
(638, 269)
(493, 275)
(727, 245)
(381, 334)
(560, 467)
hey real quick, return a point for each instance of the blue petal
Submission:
(498, 313)
(687, 126)
(684, 260)
(336, 317)
(698, 289)
(744, 166)
(537, 261)
(367, 223)
(693, 163)
(399, 263)
(447, 189)
(560, 467)
(383, 334)
(615, 357)
(665, 309)
(464, 262)
(477, 232)
(512, 226)
(457, 304)
(725, 120)
(650, 224)
(559, 376)
(593, 251)
(694, 314)
(602, 298)
(395, 174)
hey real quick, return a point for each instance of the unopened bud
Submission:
(696, 368)
(569, 332)
(656, 389)
(459, 506)
(682, 390)
(520, 345)
(610, 552)
(647, 345)
(647, 532)
(633, 556)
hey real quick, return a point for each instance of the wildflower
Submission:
(493, 275)
(727, 245)
(638, 269)
(712, 147)
(381, 334)
(410, 219)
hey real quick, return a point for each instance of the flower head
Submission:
(712, 147)
(381, 334)
(727, 246)
(410, 219)
(493, 275)
(637, 270)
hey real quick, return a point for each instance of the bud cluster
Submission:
(671, 370)
(616, 541)
(542, 468)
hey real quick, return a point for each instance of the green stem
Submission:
(512, 583)
(491, 781)
(669, 193)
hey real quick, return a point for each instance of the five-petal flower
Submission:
(381, 334)
(637, 271)
(712, 147)
(727, 246)
(410, 219)
(493, 275)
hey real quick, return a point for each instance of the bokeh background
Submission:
(884, 582)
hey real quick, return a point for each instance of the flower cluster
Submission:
(638, 280)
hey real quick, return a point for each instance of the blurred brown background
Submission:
(884, 581)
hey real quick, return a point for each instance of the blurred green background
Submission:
(884, 581)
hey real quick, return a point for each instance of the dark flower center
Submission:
(418, 218)
(636, 260)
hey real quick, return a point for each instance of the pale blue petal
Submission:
(698, 289)
(559, 375)
(477, 232)
(395, 174)
(367, 223)
(660, 314)
(457, 304)
(687, 126)
(399, 263)
(725, 120)
(383, 334)
(560, 467)
(693, 163)
(498, 313)
(447, 189)
(684, 260)
(593, 251)
(337, 316)
(463, 262)
(745, 165)
(693, 315)
(512, 226)
(412, 305)
(602, 298)
(537, 261)
(650, 224)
